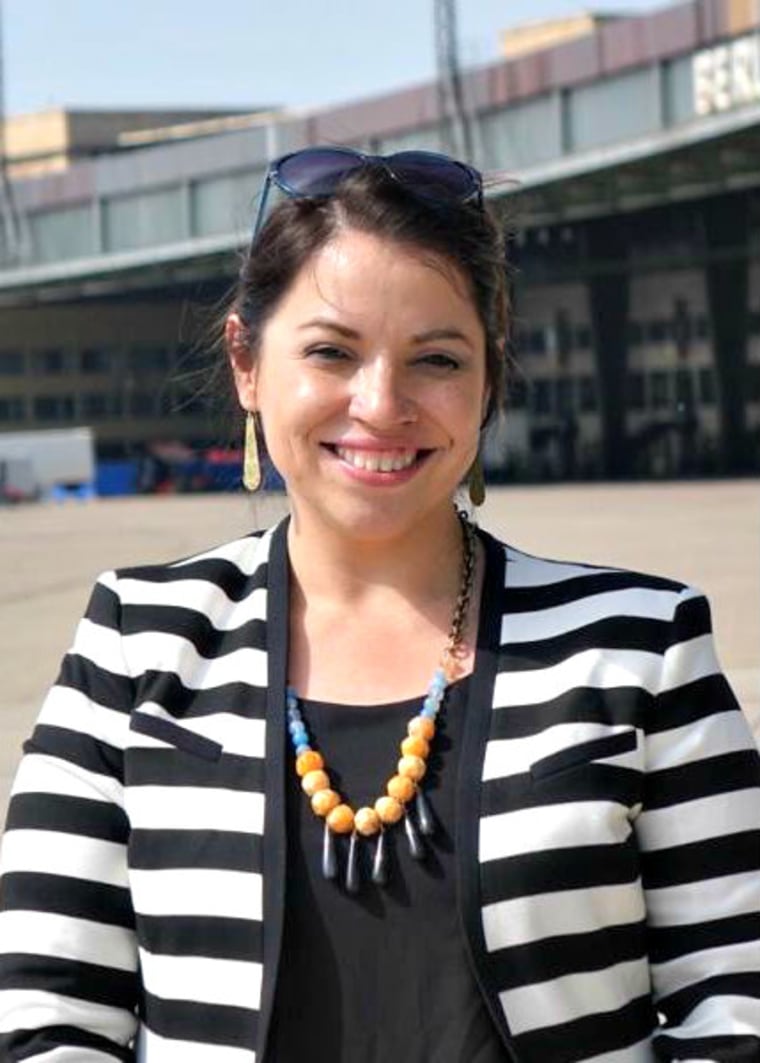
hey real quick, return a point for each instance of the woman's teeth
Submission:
(377, 460)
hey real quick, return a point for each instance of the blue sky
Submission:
(300, 53)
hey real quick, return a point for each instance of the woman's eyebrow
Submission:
(335, 326)
(447, 333)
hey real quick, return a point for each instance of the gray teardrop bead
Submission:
(416, 848)
(329, 855)
(424, 815)
(353, 878)
(380, 862)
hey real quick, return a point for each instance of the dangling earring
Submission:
(251, 466)
(476, 484)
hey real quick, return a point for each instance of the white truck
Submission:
(34, 463)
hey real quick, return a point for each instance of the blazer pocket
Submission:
(166, 731)
(584, 753)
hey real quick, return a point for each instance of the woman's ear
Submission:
(242, 362)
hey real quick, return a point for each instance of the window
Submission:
(753, 383)
(635, 391)
(541, 396)
(707, 387)
(517, 394)
(142, 404)
(11, 363)
(99, 405)
(537, 341)
(684, 387)
(657, 331)
(635, 333)
(658, 389)
(754, 322)
(587, 394)
(565, 395)
(49, 363)
(149, 359)
(701, 327)
(12, 410)
(583, 338)
(95, 360)
(54, 408)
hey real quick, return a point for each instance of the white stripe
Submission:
(194, 891)
(72, 710)
(526, 919)
(552, 827)
(158, 651)
(720, 1016)
(67, 938)
(511, 756)
(32, 1009)
(202, 596)
(204, 981)
(688, 661)
(237, 734)
(40, 773)
(195, 808)
(247, 553)
(719, 815)
(706, 899)
(152, 1048)
(525, 570)
(712, 736)
(71, 855)
(603, 669)
(101, 645)
(691, 969)
(575, 996)
(65, 1054)
(633, 602)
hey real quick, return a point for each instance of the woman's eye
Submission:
(440, 360)
(327, 353)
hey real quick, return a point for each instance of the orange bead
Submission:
(341, 819)
(412, 767)
(309, 761)
(415, 746)
(422, 726)
(402, 788)
(389, 809)
(367, 821)
(315, 780)
(323, 801)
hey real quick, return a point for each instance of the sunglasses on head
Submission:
(316, 173)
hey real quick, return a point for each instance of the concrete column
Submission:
(726, 225)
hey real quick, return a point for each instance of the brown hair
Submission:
(370, 200)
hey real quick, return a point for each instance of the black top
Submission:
(383, 975)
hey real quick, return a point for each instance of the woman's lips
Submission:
(381, 467)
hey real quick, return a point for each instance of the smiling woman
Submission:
(372, 785)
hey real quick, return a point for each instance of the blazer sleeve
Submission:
(699, 833)
(68, 960)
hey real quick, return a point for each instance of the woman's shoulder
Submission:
(239, 558)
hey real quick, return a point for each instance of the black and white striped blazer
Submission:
(608, 835)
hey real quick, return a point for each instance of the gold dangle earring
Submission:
(251, 464)
(476, 484)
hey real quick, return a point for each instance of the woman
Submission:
(215, 850)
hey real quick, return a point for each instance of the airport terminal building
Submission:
(625, 158)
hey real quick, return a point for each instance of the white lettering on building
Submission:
(727, 76)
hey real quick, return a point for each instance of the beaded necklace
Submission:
(403, 787)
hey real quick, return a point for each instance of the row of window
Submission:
(98, 406)
(562, 337)
(563, 396)
(56, 361)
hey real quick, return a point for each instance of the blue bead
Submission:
(294, 716)
(430, 704)
(304, 747)
(429, 714)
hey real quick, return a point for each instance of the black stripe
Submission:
(103, 607)
(72, 815)
(181, 737)
(554, 870)
(95, 983)
(217, 571)
(27, 1044)
(742, 1048)
(211, 1024)
(78, 898)
(610, 633)
(729, 854)
(201, 935)
(569, 1042)
(547, 596)
(210, 642)
(669, 942)
(168, 690)
(691, 619)
(554, 957)
(678, 1005)
(616, 705)
(587, 781)
(151, 850)
(702, 778)
(168, 766)
(77, 748)
(694, 701)
(610, 745)
(97, 684)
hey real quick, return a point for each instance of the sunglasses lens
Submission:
(433, 176)
(316, 172)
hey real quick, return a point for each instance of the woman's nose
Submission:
(380, 397)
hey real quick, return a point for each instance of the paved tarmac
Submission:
(706, 533)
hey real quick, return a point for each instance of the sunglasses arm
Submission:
(262, 205)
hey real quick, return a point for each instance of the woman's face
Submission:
(370, 383)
